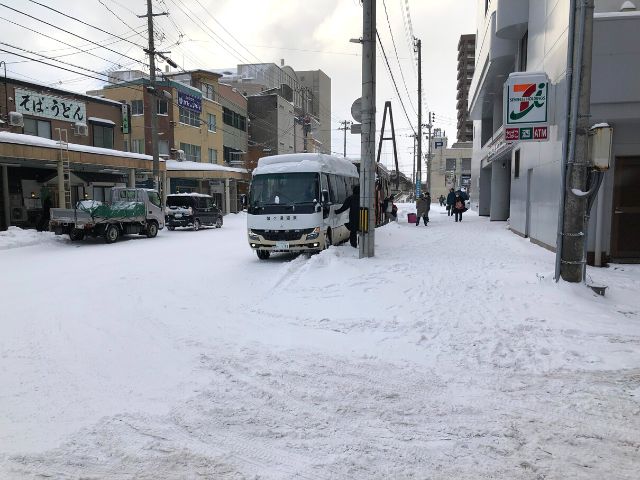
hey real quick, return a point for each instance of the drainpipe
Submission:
(5, 195)
(565, 135)
(227, 196)
(132, 178)
(599, 213)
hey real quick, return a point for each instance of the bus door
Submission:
(327, 213)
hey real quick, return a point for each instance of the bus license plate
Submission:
(282, 245)
(178, 215)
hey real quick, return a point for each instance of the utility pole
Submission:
(151, 51)
(346, 125)
(304, 119)
(413, 172)
(418, 48)
(429, 127)
(368, 138)
(575, 207)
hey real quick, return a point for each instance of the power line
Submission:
(84, 23)
(70, 33)
(80, 50)
(384, 3)
(394, 80)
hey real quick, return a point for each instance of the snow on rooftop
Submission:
(175, 165)
(20, 139)
(305, 162)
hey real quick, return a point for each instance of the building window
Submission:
(208, 91)
(522, 57)
(137, 145)
(163, 148)
(213, 155)
(102, 136)
(516, 164)
(191, 152)
(38, 128)
(189, 117)
(137, 107)
(233, 119)
(211, 122)
(451, 164)
(227, 116)
(163, 107)
(466, 164)
(231, 154)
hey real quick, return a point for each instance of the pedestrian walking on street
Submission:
(451, 199)
(458, 207)
(423, 205)
(352, 203)
(390, 210)
(441, 199)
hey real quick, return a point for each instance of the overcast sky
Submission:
(307, 34)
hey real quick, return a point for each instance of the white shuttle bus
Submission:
(292, 202)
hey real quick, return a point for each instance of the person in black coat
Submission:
(352, 203)
(459, 207)
(451, 199)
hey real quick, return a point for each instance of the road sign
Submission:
(356, 110)
(356, 128)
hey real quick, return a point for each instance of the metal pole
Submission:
(345, 139)
(418, 46)
(367, 146)
(565, 136)
(429, 126)
(154, 99)
(573, 258)
(413, 172)
(6, 93)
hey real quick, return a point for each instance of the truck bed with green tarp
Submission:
(114, 211)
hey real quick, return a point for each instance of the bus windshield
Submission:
(284, 189)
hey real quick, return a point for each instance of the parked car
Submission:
(191, 210)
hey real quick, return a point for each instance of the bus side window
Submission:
(342, 189)
(332, 189)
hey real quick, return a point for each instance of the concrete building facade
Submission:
(235, 131)
(451, 168)
(520, 181)
(318, 84)
(190, 119)
(466, 68)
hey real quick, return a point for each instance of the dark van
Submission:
(192, 210)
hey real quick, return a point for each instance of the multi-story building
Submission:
(234, 125)
(318, 84)
(34, 160)
(309, 92)
(521, 181)
(189, 127)
(451, 167)
(466, 67)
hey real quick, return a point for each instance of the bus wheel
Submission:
(327, 239)
(263, 254)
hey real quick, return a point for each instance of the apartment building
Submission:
(466, 68)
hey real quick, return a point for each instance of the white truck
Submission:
(136, 211)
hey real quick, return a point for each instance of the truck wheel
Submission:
(219, 222)
(263, 254)
(152, 229)
(171, 228)
(112, 234)
(76, 234)
(196, 225)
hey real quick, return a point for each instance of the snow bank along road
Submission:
(450, 355)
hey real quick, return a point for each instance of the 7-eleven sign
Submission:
(526, 99)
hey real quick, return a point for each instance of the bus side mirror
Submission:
(325, 196)
(243, 199)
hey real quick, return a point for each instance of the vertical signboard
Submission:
(526, 107)
(126, 126)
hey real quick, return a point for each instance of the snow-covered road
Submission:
(450, 355)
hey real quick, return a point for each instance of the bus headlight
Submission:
(313, 235)
(253, 236)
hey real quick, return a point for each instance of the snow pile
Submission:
(16, 237)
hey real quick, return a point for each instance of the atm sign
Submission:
(526, 134)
